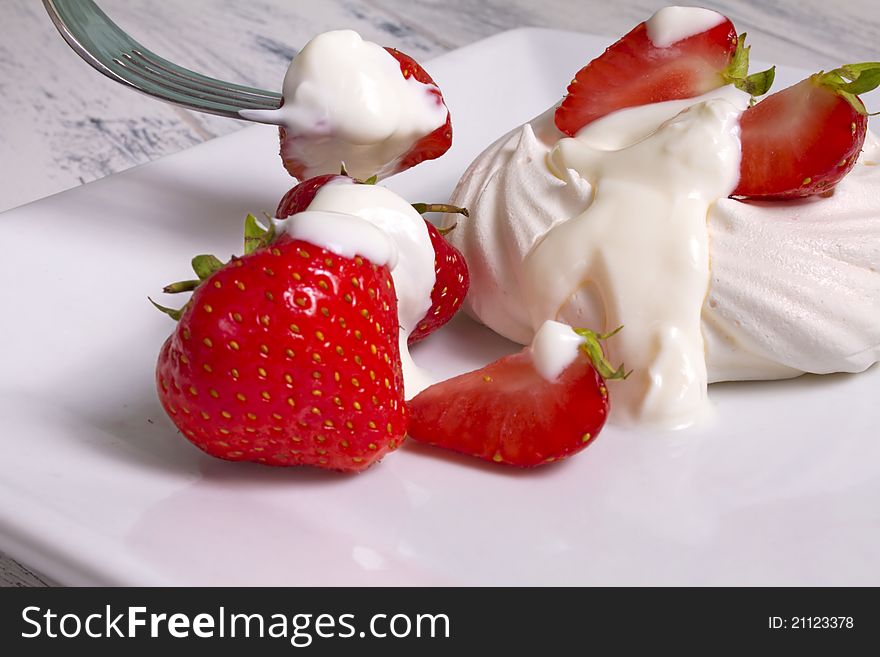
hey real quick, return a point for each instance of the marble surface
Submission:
(62, 124)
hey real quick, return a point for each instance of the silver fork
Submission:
(99, 41)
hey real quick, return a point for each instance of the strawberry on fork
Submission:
(306, 154)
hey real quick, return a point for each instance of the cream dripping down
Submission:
(629, 224)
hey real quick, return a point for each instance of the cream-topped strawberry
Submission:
(450, 270)
(680, 52)
(350, 101)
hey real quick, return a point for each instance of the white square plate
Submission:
(97, 487)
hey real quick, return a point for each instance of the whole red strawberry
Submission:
(804, 139)
(450, 269)
(427, 147)
(287, 356)
(509, 412)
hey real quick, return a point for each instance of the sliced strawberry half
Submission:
(634, 71)
(804, 139)
(508, 412)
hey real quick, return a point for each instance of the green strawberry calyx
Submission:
(372, 180)
(850, 80)
(205, 265)
(592, 347)
(737, 72)
(255, 235)
(423, 208)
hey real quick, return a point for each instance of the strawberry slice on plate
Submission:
(804, 139)
(526, 409)
(634, 71)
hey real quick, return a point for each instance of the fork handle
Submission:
(109, 50)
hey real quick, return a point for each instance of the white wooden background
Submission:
(62, 124)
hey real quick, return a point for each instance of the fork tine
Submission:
(101, 43)
(197, 80)
(154, 62)
(184, 87)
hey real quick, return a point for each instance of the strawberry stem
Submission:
(181, 286)
(422, 208)
(592, 346)
(171, 312)
(739, 63)
(756, 84)
(205, 265)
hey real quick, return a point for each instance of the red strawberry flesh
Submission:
(450, 286)
(435, 143)
(799, 141)
(508, 413)
(633, 71)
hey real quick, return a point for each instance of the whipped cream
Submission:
(343, 234)
(376, 214)
(346, 100)
(554, 347)
(794, 287)
(642, 244)
(672, 24)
